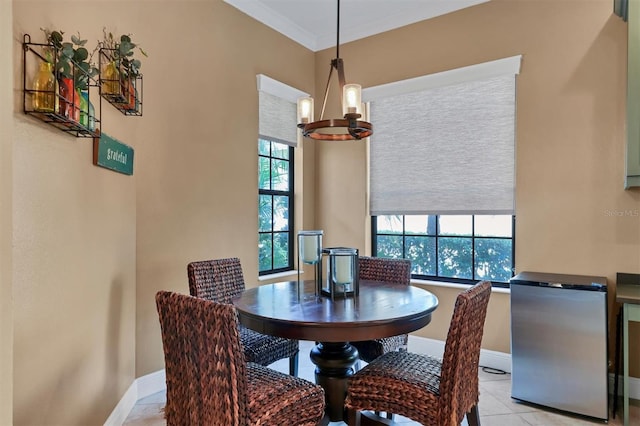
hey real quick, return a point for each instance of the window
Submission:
(458, 248)
(442, 171)
(277, 138)
(275, 217)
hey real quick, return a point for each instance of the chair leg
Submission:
(473, 417)
(387, 415)
(293, 365)
(354, 417)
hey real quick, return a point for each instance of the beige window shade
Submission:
(277, 111)
(445, 146)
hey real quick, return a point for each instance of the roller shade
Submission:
(277, 110)
(445, 143)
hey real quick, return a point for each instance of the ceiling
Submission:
(312, 23)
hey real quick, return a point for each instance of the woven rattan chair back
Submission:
(218, 280)
(204, 364)
(459, 374)
(387, 270)
(208, 379)
(383, 269)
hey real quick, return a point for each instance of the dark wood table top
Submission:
(291, 309)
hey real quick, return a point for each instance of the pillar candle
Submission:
(310, 249)
(343, 273)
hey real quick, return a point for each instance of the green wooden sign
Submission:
(112, 154)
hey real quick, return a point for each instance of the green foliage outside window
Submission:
(275, 188)
(464, 248)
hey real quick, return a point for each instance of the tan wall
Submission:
(74, 247)
(570, 137)
(93, 247)
(197, 190)
(6, 190)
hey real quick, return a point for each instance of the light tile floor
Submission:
(496, 406)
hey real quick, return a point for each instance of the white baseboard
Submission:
(151, 383)
(488, 358)
(502, 361)
(142, 387)
(124, 407)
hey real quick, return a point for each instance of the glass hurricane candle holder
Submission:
(342, 275)
(310, 252)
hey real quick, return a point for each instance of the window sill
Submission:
(458, 286)
(443, 284)
(278, 275)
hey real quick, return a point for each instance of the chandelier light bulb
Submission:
(305, 110)
(352, 94)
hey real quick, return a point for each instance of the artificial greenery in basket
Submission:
(74, 70)
(73, 58)
(120, 70)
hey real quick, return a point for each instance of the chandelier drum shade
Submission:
(350, 127)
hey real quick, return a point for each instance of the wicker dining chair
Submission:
(430, 391)
(222, 279)
(388, 270)
(210, 383)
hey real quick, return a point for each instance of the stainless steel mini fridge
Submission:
(559, 342)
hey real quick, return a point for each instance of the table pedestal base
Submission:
(334, 366)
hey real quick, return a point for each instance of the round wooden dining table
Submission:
(294, 310)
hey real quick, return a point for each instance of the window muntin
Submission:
(275, 207)
(458, 248)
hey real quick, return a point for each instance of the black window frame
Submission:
(271, 192)
(473, 237)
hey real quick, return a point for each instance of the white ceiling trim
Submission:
(311, 23)
(268, 16)
(379, 22)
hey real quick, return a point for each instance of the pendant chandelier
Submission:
(349, 127)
